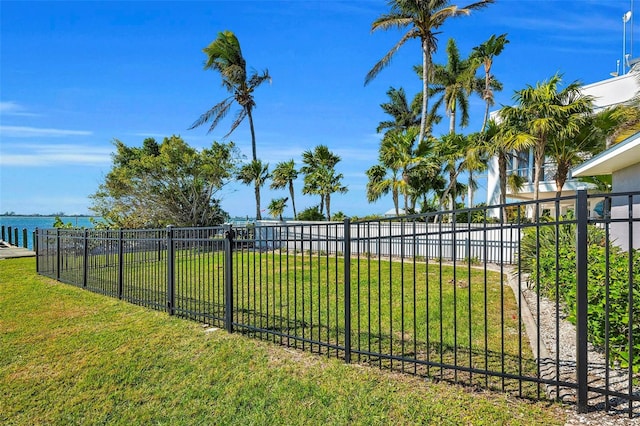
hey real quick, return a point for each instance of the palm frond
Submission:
(386, 60)
(218, 112)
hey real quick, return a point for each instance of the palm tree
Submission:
(404, 115)
(503, 141)
(475, 160)
(380, 183)
(257, 173)
(314, 161)
(283, 175)
(423, 18)
(597, 132)
(451, 151)
(454, 82)
(543, 113)
(328, 183)
(396, 155)
(277, 206)
(485, 54)
(225, 56)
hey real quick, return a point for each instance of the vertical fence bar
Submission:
(15, 233)
(24, 237)
(228, 280)
(58, 259)
(2, 238)
(120, 263)
(171, 279)
(85, 256)
(347, 290)
(581, 300)
(10, 236)
(36, 249)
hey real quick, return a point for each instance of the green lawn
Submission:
(69, 356)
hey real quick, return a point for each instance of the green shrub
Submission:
(311, 213)
(551, 265)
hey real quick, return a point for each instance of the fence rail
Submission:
(480, 304)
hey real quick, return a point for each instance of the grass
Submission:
(69, 356)
(419, 310)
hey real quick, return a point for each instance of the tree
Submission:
(423, 18)
(380, 184)
(593, 136)
(451, 151)
(454, 82)
(485, 53)
(277, 206)
(257, 173)
(319, 158)
(320, 176)
(283, 175)
(544, 112)
(404, 115)
(225, 56)
(166, 183)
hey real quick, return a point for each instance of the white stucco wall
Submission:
(627, 179)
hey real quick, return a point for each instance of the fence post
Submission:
(347, 290)
(85, 254)
(2, 238)
(36, 249)
(228, 279)
(15, 233)
(171, 279)
(120, 263)
(24, 238)
(58, 260)
(10, 236)
(581, 300)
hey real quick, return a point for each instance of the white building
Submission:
(622, 162)
(606, 93)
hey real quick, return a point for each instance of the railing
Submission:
(12, 235)
(479, 304)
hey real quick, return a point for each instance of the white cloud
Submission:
(57, 155)
(14, 108)
(28, 132)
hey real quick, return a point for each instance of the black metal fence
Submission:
(547, 308)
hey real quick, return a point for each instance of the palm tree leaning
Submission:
(485, 54)
(257, 173)
(283, 175)
(423, 18)
(277, 206)
(225, 56)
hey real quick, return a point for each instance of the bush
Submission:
(549, 252)
(311, 213)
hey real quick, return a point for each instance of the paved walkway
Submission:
(8, 251)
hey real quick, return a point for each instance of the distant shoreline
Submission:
(46, 215)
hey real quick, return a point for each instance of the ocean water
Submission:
(30, 223)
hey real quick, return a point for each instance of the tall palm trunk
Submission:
(253, 135)
(561, 177)
(470, 190)
(502, 177)
(257, 192)
(293, 202)
(539, 161)
(425, 89)
(487, 70)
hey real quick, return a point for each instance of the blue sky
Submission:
(74, 76)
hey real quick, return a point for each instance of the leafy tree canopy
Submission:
(168, 183)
